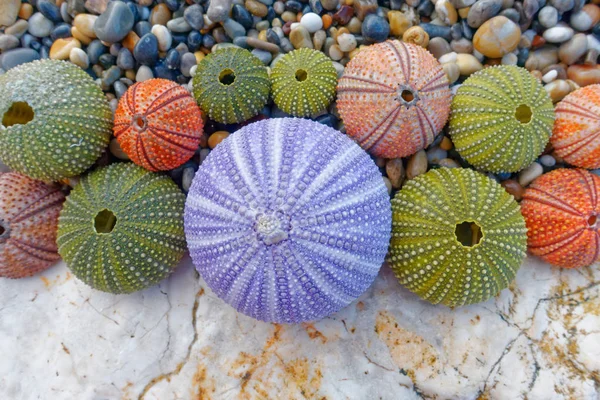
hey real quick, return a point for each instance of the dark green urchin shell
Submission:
(56, 121)
(231, 85)
(501, 119)
(457, 236)
(303, 82)
(121, 228)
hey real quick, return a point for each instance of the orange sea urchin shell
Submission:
(576, 133)
(561, 211)
(28, 221)
(393, 98)
(158, 124)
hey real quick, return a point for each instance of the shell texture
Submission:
(561, 212)
(121, 229)
(303, 82)
(55, 120)
(288, 220)
(576, 133)
(158, 124)
(231, 85)
(28, 219)
(457, 237)
(501, 119)
(394, 98)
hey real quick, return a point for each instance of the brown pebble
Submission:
(446, 144)
(160, 15)
(263, 45)
(584, 75)
(395, 172)
(217, 138)
(538, 41)
(61, 48)
(25, 11)
(362, 8)
(256, 8)
(343, 15)
(130, 41)
(513, 188)
(417, 164)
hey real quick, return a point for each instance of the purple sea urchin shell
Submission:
(288, 220)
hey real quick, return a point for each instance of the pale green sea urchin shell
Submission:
(303, 82)
(501, 119)
(231, 85)
(457, 236)
(56, 121)
(121, 228)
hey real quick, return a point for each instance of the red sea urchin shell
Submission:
(158, 124)
(561, 210)
(576, 133)
(28, 221)
(394, 98)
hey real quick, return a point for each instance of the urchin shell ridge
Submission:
(308, 93)
(288, 220)
(425, 253)
(484, 125)
(71, 125)
(146, 239)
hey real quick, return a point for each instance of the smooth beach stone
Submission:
(573, 49)
(61, 48)
(40, 26)
(586, 18)
(194, 17)
(558, 34)
(548, 17)
(497, 37)
(399, 23)
(146, 50)
(9, 9)
(312, 22)
(114, 23)
(375, 28)
(144, 73)
(584, 75)
(125, 59)
(163, 36)
(18, 29)
(79, 58)
(483, 10)
(60, 31)
(468, 64)
(8, 42)
(300, 38)
(178, 25)
(12, 58)
(233, 29)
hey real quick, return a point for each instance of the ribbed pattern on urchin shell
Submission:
(147, 240)
(28, 220)
(288, 220)
(561, 211)
(483, 124)
(239, 100)
(71, 125)
(158, 124)
(371, 105)
(576, 133)
(425, 253)
(303, 82)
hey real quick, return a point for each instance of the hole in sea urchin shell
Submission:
(4, 229)
(407, 95)
(19, 113)
(523, 114)
(468, 233)
(139, 122)
(227, 77)
(105, 221)
(301, 75)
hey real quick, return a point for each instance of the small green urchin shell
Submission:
(437, 250)
(303, 82)
(501, 119)
(231, 85)
(121, 228)
(56, 121)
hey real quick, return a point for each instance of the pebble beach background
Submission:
(122, 42)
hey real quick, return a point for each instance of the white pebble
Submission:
(347, 42)
(193, 70)
(448, 58)
(509, 59)
(163, 36)
(79, 58)
(312, 22)
(529, 174)
(550, 76)
(548, 17)
(144, 73)
(295, 25)
(547, 160)
(581, 21)
(558, 34)
(335, 53)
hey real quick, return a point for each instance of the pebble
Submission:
(300, 38)
(25, 11)
(452, 72)
(458, 4)
(163, 36)
(399, 23)
(217, 138)
(96, 6)
(188, 60)
(586, 18)
(343, 15)
(468, 64)
(116, 150)
(573, 49)
(125, 59)
(347, 42)
(218, 10)
(550, 76)
(388, 185)
(193, 16)
(335, 53)
(257, 8)
(437, 31)
(312, 22)
(548, 17)
(232, 28)
(146, 50)
(448, 58)
(513, 188)
(85, 24)
(438, 47)
(417, 164)
(179, 25)
(61, 48)
(394, 170)
(510, 59)
(8, 42)
(449, 163)
(548, 161)
(557, 89)
(435, 154)
(263, 56)
(18, 28)
(94, 50)
(114, 23)
(319, 39)
(584, 75)
(161, 14)
(330, 4)
(541, 58)
(143, 73)
(558, 34)
(12, 58)
(446, 12)
(9, 9)
(187, 177)
(482, 11)
(562, 5)
(50, 10)
(40, 26)
(529, 174)
(497, 37)
(262, 45)
(79, 58)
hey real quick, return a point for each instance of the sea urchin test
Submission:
(288, 220)
(457, 237)
(56, 121)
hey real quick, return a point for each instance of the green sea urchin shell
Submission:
(55, 120)
(121, 228)
(303, 82)
(231, 85)
(457, 236)
(501, 119)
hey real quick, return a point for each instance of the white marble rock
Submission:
(539, 339)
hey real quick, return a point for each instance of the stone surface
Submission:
(9, 9)
(177, 340)
(497, 37)
(114, 23)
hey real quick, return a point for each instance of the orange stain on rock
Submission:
(313, 333)
(204, 386)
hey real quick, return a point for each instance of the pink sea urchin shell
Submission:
(394, 98)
